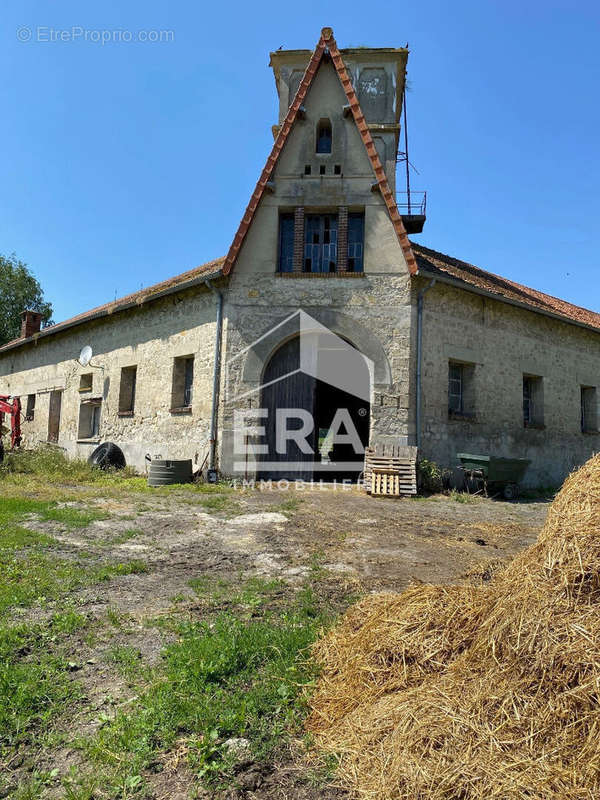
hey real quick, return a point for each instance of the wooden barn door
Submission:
(54, 415)
(285, 387)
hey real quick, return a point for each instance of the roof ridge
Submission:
(138, 297)
(326, 42)
(552, 302)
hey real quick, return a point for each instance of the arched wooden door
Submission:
(286, 386)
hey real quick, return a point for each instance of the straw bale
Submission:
(466, 692)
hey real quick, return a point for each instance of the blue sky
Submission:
(125, 163)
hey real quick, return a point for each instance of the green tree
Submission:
(19, 290)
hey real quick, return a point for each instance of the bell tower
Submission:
(378, 77)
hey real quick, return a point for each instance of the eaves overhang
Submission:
(458, 284)
(109, 311)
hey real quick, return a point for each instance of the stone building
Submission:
(458, 359)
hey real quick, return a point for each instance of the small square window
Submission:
(86, 382)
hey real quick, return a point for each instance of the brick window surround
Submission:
(293, 244)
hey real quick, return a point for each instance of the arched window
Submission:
(324, 136)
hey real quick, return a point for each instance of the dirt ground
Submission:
(381, 543)
(372, 544)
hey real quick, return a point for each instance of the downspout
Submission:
(214, 417)
(420, 298)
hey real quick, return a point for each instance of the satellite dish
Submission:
(85, 356)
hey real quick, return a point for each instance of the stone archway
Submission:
(316, 398)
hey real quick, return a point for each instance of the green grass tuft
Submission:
(232, 677)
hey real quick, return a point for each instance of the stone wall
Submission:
(500, 343)
(373, 313)
(150, 337)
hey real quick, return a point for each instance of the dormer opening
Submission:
(324, 136)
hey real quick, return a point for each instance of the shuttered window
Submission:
(286, 243)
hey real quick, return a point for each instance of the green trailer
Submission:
(494, 475)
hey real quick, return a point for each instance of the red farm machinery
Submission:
(10, 407)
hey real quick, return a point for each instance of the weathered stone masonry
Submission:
(504, 342)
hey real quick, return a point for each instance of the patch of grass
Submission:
(68, 621)
(218, 502)
(38, 575)
(125, 536)
(231, 677)
(249, 593)
(115, 617)
(55, 468)
(134, 567)
(35, 682)
(128, 660)
(72, 517)
(35, 785)
(287, 507)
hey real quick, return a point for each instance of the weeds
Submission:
(462, 497)
(231, 677)
(128, 660)
(72, 517)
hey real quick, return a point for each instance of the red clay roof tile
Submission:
(136, 298)
(432, 262)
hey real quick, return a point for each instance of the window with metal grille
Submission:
(30, 410)
(286, 243)
(356, 236)
(188, 382)
(461, 390)
(455, 388)
(533, 401)
(183, 383)
(589, 409)
(324, 136)
(320, 243)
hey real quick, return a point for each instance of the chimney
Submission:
(30, 323)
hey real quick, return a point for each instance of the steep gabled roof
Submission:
(430, 262)
(326, 44)
(177, 283)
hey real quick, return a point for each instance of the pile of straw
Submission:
(468, 692)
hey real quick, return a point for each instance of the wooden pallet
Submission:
(390, 470)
